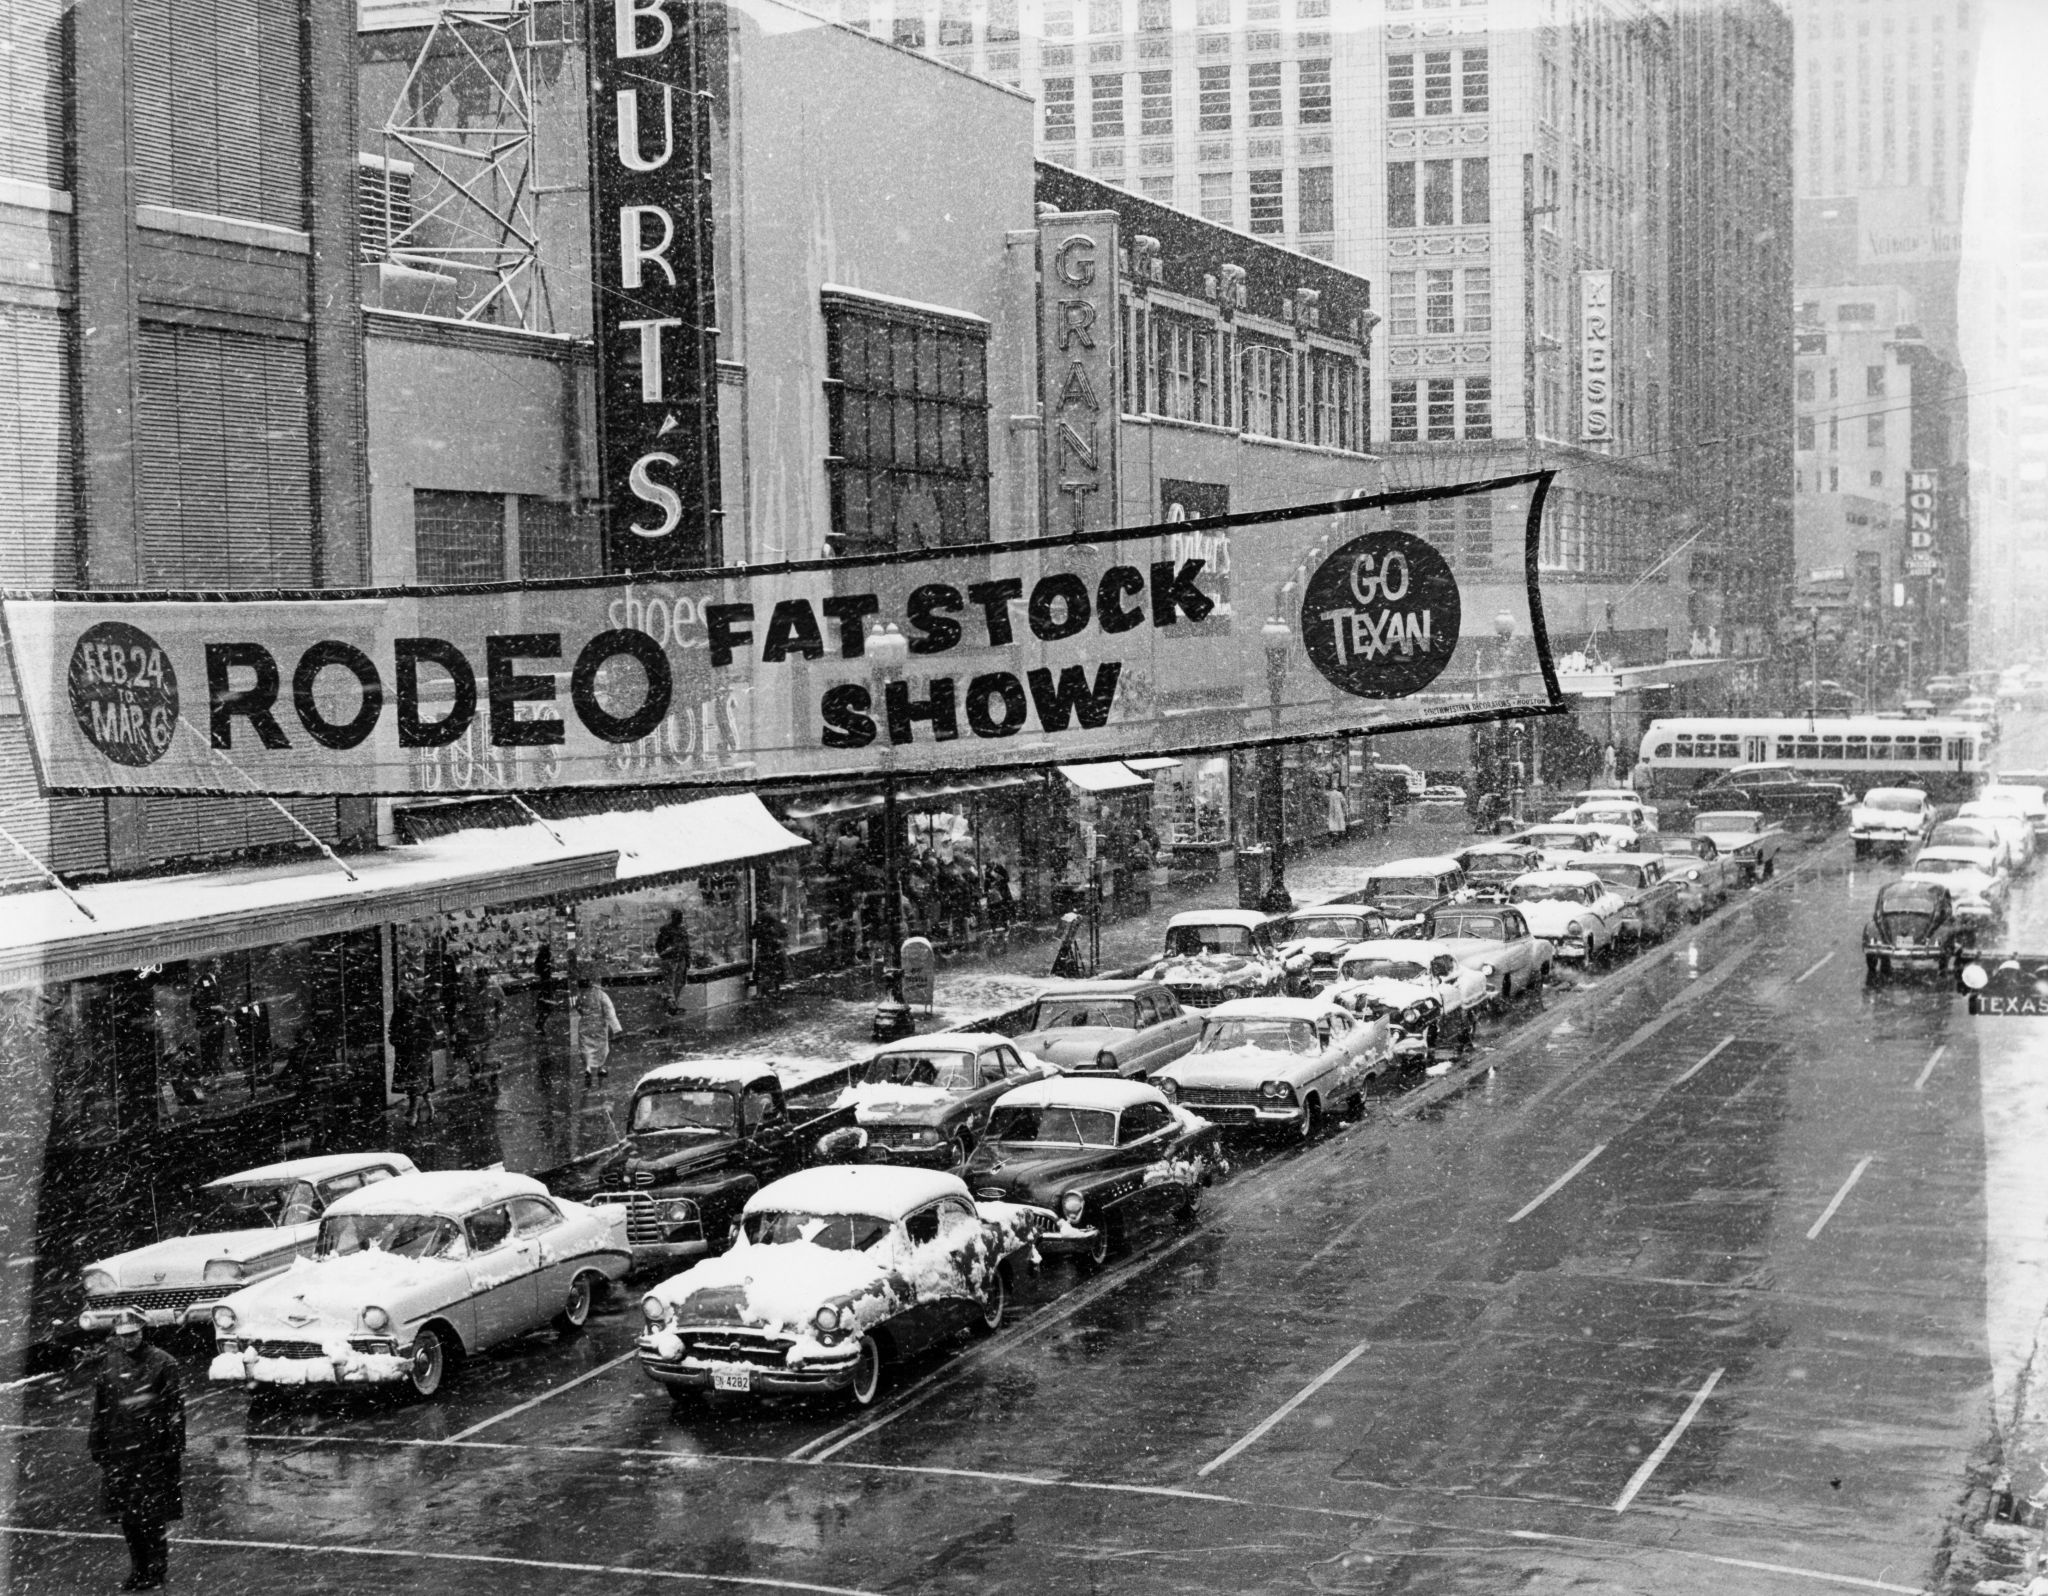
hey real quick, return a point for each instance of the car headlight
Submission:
(221, 1269)
(376, 1319)
(653, 1309)
(1276, 1091)
(224, 1319)
(1071, 1207)
(1576, 928)
(1420, 1013)
(99, 1282)
(827, 1320)
(676, 1211)
(1486, 969)
(1168, 1089)
(1105, 1060)
(925, 1135)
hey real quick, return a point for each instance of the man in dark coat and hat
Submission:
(138, 1440)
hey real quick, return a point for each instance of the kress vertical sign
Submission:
(1080, 346)
(650, 161)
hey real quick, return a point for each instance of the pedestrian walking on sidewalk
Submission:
(412, 1054)
(547, 986)
(137, 1437)
(598, 1023)
(771, 953)
(672, 948)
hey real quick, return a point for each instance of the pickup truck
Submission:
(1110, 1027)
(702, 1136)
(1747, 842)
(1652, 904)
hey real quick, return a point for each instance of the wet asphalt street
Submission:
(1678, 1285)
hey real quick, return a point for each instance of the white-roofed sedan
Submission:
(1428, 996)
(836, 1273)
(1574, 910)
(1280, 1064)
(413, 1273)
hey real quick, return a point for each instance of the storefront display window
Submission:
(1191, 803)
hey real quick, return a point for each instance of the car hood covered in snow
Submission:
(318, 1296)
(182, 1260)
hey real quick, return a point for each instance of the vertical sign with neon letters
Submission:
(1080, 343)
(1596, 357)
(651, 247)
(1923, 496)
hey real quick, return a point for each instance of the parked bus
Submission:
(1946, 758)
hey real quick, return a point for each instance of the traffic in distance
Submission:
(813, 1245)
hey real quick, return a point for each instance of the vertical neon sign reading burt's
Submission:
(650, 161)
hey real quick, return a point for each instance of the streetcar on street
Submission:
(1947, 759)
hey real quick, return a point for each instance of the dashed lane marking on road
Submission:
(1835, 1202)
(1816, 967)
(1855, 1580)
(1641, 1477)
(1920, 1080)
(546, 1396)
(1554, 1187)
(1714, 1053)
(1252, 1435)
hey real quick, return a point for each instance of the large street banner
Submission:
(1362, 614)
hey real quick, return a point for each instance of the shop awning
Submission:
(43, 936)
(867, 798)
(675, 839)
(1154, 762)
(1111, 775)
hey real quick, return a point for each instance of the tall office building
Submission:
(1500, 171)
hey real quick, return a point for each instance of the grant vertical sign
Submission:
(1080, 345)
(651, 244)
(1596, 357)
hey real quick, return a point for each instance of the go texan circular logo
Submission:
(1380, 616)
(124, 693)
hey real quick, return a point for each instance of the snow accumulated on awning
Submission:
(675, 839)
(1110, 775)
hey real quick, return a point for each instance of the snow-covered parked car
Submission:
(1107, 1156)
(1495, 940)
(1404, 890)
(1695, 863)
(1110, 1028)
(1574, 910)
(1322, 934)
(1280, 1064)
(1213, 955)
(1979, 892)
(923, 1100)
(249, 1226)
(1623, 812)
(1430, 998)
(1491, 867)
(1890, 820)
(1652, 903)
(413, 1273)
(837, 1273)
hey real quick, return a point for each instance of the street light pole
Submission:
(887, 649)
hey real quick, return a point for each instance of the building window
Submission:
(1476, 191)
(1873, 432)
(1157, 189)
(1401, 322)
(1057, 22)
(219, 108)
(1439, 201)
(556, 539)
(1155, 103)
(1263, 101)
(1401, 410)
(1212, 13)
(1857, 310)
(1265, 388)
(1400, 85)
(1834, 434)
(1317, 206)
(1473, 85)
(1059, 110)
(1804, 384)
(1002, 21)
(1440, 407)
(1185, 365)
(1400, 193)
(1312, 93)
(1268, 207)
(1106, 105)
(1478, 407)
(1439, 302)
(1216, 197)
(1311, 8)
(458, 537)
(1333, 400)
(1462, 529)
(1155, 16)
(907, 33)
(1436, 83)
(1478, 299)
(956, 27)
(908, 396)
(1105, 16)
(1877, 479)
(1834, 479)
(1873, 382)
(1213, 89)
(1805, 437)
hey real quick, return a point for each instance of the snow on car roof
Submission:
(318, 1167)
(1092, 988)
(1412, 949)
(1895, 792)
(1111, 1094)
(1335, 908)
(1559, 878)
(1954, 855)
(1273, 1008)
(881, 1191)
(1251, 919)
(1639, 860)
(1426, 864)
(709, 1073)
(942, 1042)
(450, 1192)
